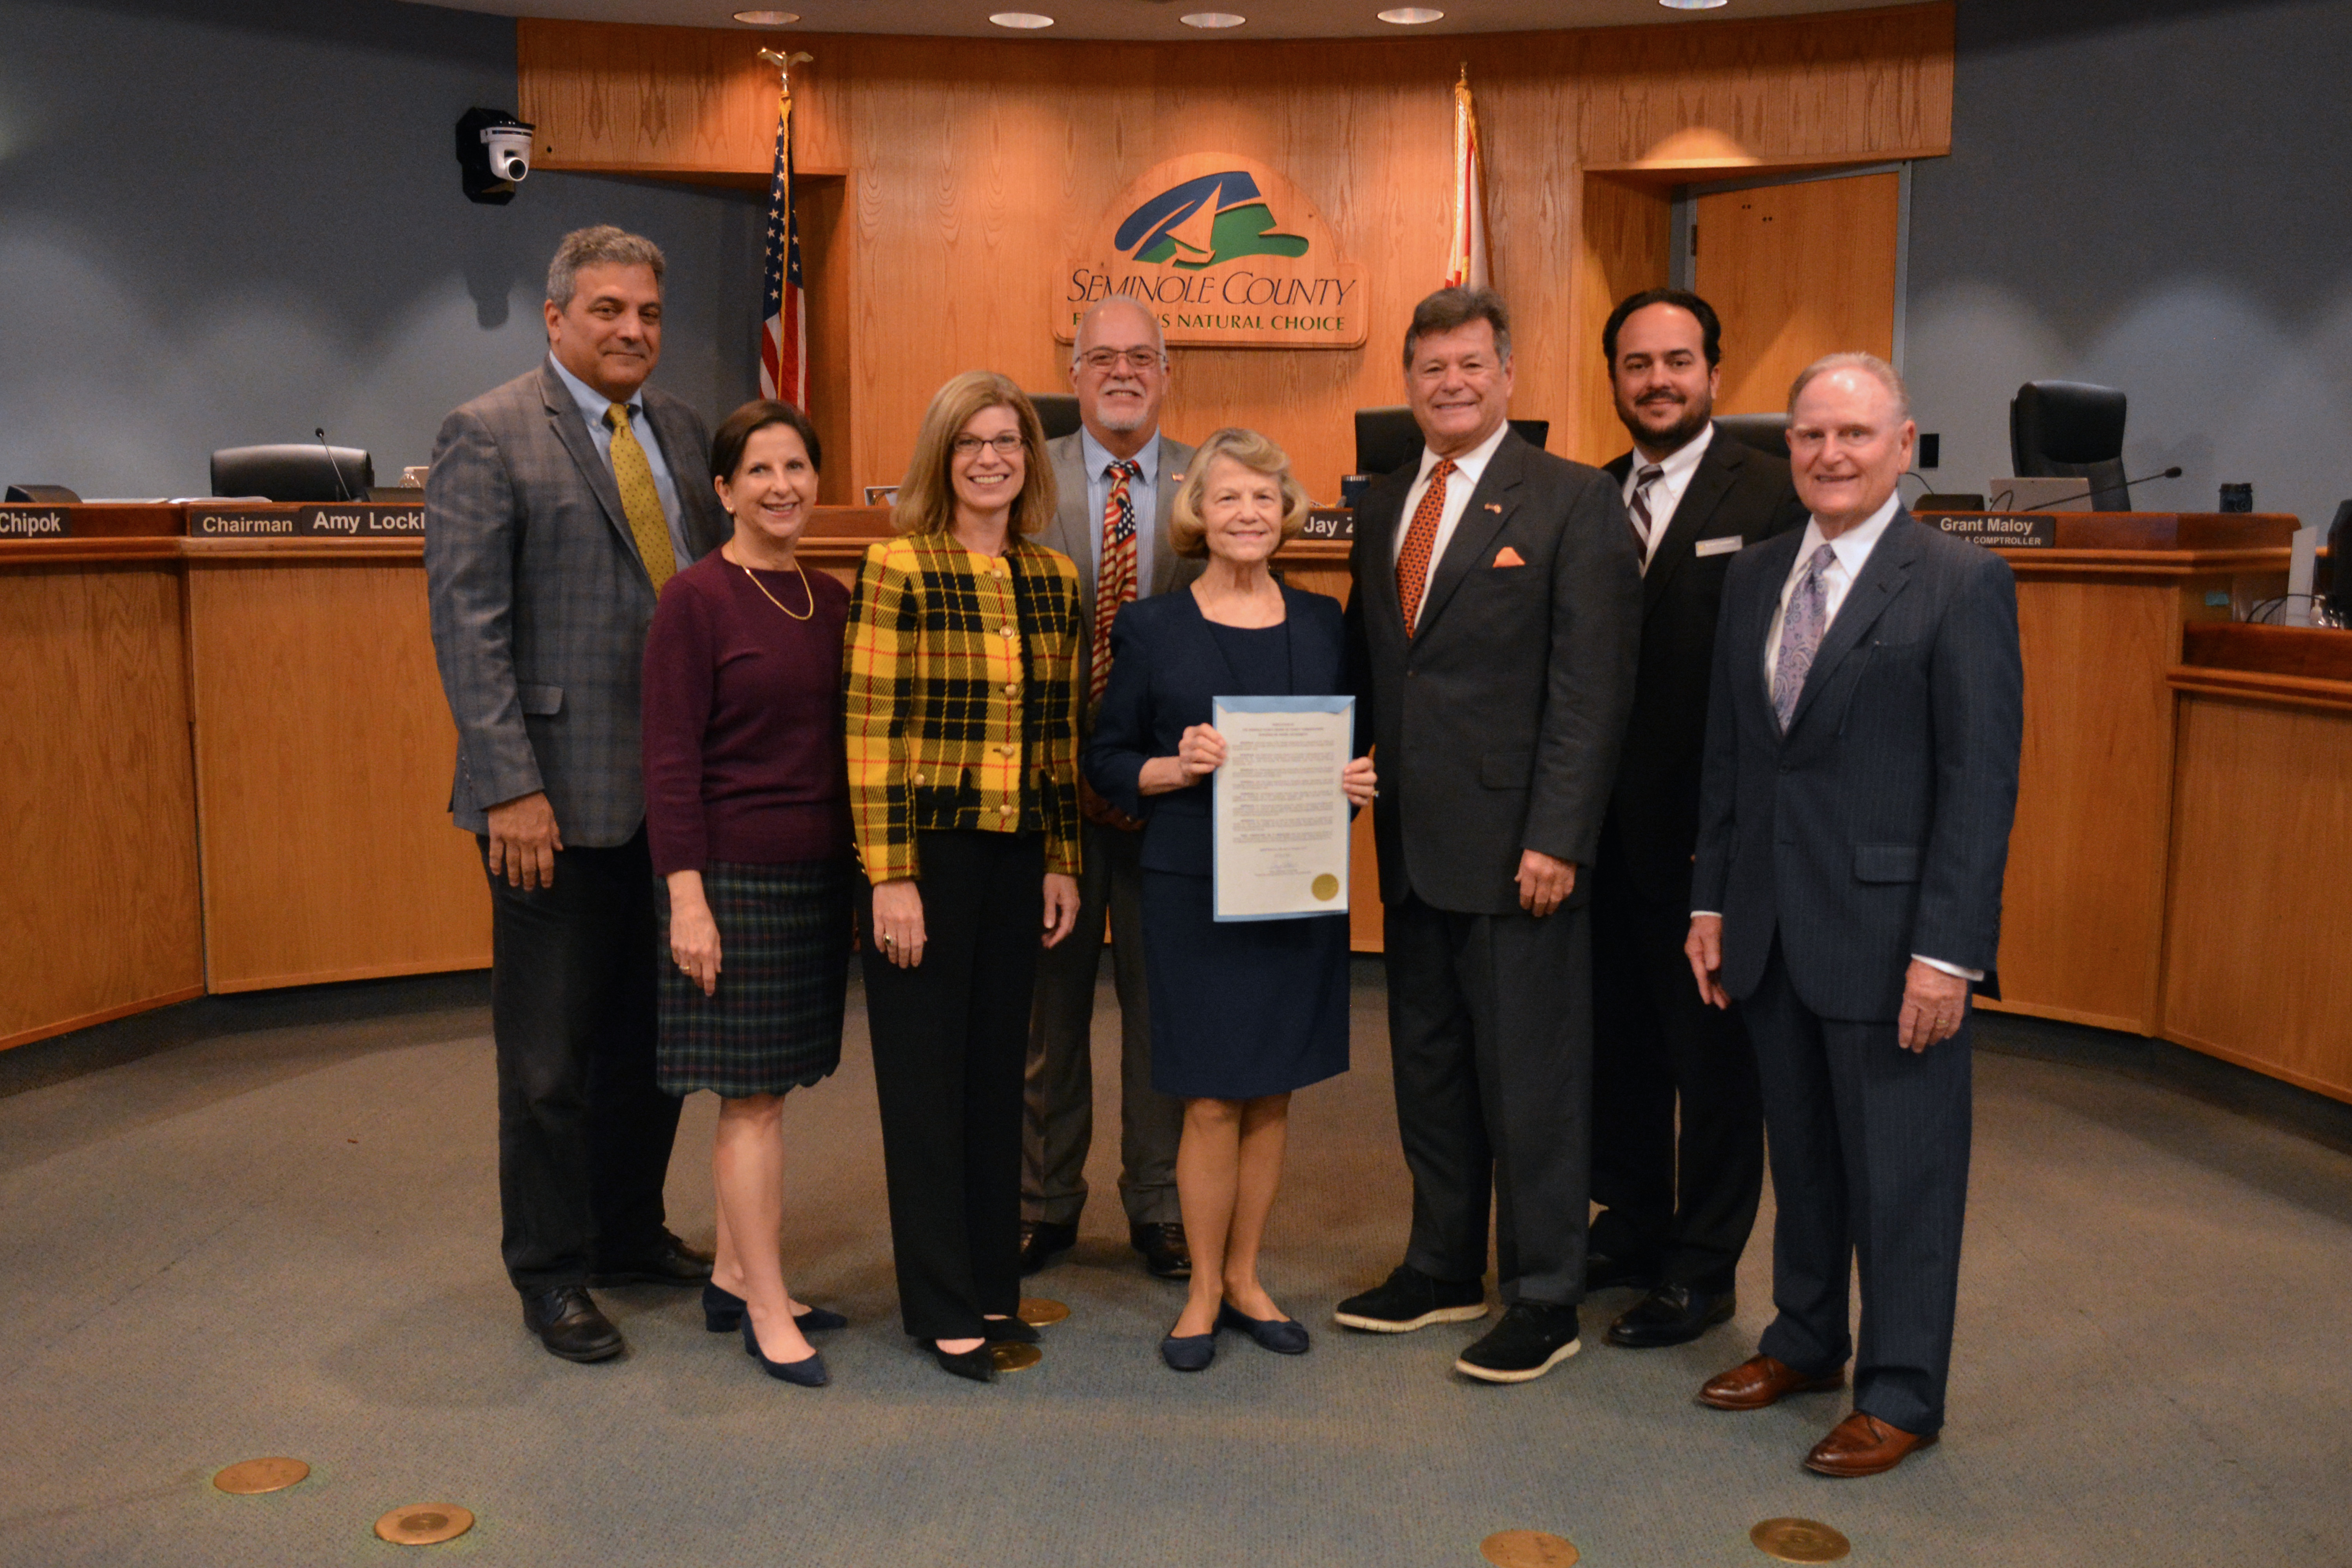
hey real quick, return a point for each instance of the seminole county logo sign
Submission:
(1227, 254)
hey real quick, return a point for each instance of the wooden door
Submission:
(1797, 271)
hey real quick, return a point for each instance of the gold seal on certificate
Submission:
(1279, 819)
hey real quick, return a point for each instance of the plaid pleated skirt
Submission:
(773, 1023)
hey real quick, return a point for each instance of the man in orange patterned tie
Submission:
(1118, 476)
(1494, 625)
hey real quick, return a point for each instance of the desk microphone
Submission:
(322, 434)
(2171, 473)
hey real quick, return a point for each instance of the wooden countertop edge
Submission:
(2260, 685)
(2144, 562)
(172, 547)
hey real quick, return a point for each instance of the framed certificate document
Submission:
(1279, 820)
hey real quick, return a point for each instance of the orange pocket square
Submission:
(1507, 556)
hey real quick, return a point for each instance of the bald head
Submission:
(1850, 435)
(1118, 367)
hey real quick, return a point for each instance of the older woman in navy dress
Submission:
(1242, 1013)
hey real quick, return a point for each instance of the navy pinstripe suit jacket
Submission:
(1877, 827)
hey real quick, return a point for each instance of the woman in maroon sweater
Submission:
(747, 807)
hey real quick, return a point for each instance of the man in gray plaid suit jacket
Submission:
(557, 506)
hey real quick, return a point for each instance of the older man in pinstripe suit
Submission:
(1864, 725)
(557, 507)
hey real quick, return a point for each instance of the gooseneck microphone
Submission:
(322, 434)
(2171, 473)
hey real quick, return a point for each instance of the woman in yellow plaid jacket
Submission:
(961, 722)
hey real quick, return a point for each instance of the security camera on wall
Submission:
(494, 151)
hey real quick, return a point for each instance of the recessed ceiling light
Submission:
(1211, 19)
(1411, 16)
(1021, 20)
(1693, 4)
(768, 18)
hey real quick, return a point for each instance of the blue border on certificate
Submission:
(1347, 852)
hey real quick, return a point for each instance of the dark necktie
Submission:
(1638, 513)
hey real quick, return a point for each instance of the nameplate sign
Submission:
(2001, 529)
(36, 523)
(336, 519)
(1329, 522)
(1226, 253)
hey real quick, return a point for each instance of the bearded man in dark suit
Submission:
(1676, 1210)
(1494, 618)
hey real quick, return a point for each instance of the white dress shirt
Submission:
(1467, 470)
(592, 405)
(1852, 549)
(1666, 491)
(1143, 491)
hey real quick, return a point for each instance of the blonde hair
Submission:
(1187, 534)
(926, 503)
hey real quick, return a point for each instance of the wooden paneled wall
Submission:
(974, 170)
(96, 796)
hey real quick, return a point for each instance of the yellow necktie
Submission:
(639, 498)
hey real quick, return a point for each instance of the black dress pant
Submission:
(1490, 1032)
(1685, 1204)
(1870, 1167)
(584, 1133)
(950, 1038)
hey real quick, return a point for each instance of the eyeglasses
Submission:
(1104, 360)
(1004, 445)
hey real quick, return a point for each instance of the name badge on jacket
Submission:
(1723, 547)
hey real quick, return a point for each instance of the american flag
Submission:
(783, 325)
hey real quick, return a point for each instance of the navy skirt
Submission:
(1245, 1008)
(773, 1023)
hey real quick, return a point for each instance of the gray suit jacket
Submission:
(1498, 722)
(1075, 528)
(1877, 827)
(539, 603)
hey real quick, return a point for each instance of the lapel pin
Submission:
(1493, 506)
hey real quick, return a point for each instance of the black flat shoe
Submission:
(1671, 1315)
(569, 1324)
(808, 1373)
(1280, 1335)
(722, 1313)
(1012, 1331)
(976, 1365)
(1189, 1352)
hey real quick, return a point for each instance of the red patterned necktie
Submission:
(1413, 560)
(1115, 577)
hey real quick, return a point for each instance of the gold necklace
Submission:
(803, 615)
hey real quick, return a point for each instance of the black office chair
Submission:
(298, 470)
(1387, 438)
(1764, 432)
(1058, 412)
(44, 495)
(2070, 429)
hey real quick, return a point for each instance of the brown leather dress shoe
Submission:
(1760, 1381)
(1862, 1445)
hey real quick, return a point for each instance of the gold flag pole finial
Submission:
(1466, 74)
(784, 63)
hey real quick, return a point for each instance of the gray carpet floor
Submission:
(283, 1240)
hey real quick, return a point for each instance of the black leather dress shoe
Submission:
(1603, 1272)
(1012, 1331)
(1671, 1315)
(1166, 1254)
(1041, 1240)
(671, 1262)
(569, 1324)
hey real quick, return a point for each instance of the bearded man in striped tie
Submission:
(1493, 622)
(557, 507)
(1863, 734)
(1117, 477)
